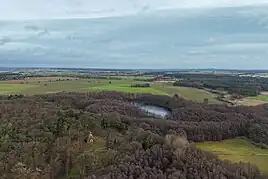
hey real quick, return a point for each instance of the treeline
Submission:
(248, 86)
(11, 76)
(213, 122)
(19, 76)
(44, 137)
(141, 85)
(99, 77)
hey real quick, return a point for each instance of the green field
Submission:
(145, 77)
(14, 88)
(262, 75)
(127, 88)
(40, 86)
(188, 93)
(51, 85)
(261, 97)
(237, 150)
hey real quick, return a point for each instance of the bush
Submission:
(142, 85)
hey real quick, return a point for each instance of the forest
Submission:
(6, 76)
(11, 76)
(141, 85)
(44, 136)
(233, 84)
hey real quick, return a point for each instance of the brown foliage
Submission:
(43, 137)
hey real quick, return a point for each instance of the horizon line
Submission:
(134, 13)
(133, 69)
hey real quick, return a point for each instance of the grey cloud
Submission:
(32, 27)
(43, 33)
(187, 39)
(48, 9)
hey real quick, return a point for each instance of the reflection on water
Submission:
(154, 110)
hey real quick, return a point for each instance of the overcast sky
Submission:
(190, 34)
(46, 9)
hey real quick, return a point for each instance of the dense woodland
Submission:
(11, 76)
(141, 85)
(247, 86)
(102, 76)
(45, 137)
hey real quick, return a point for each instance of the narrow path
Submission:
(219, 153)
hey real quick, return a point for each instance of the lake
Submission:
(154, 110)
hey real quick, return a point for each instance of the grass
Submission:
(254, 101)
(250, 102)
(261, 97)
(51, 85)
(238, 150)
(127, 88)
(188, 93)
(44, 86)
(145, 77)
(14, 88)
(262, 75)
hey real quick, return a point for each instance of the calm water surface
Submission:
(154, 110)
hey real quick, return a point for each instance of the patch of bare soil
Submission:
(265, 93)
(249, 102)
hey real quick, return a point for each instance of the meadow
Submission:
(238, 150)
(249, 101)
(254, 101)
(53, 85)
(14, 88)
(258, 75)
(124, 87)
(261, 97)
(188, 93)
